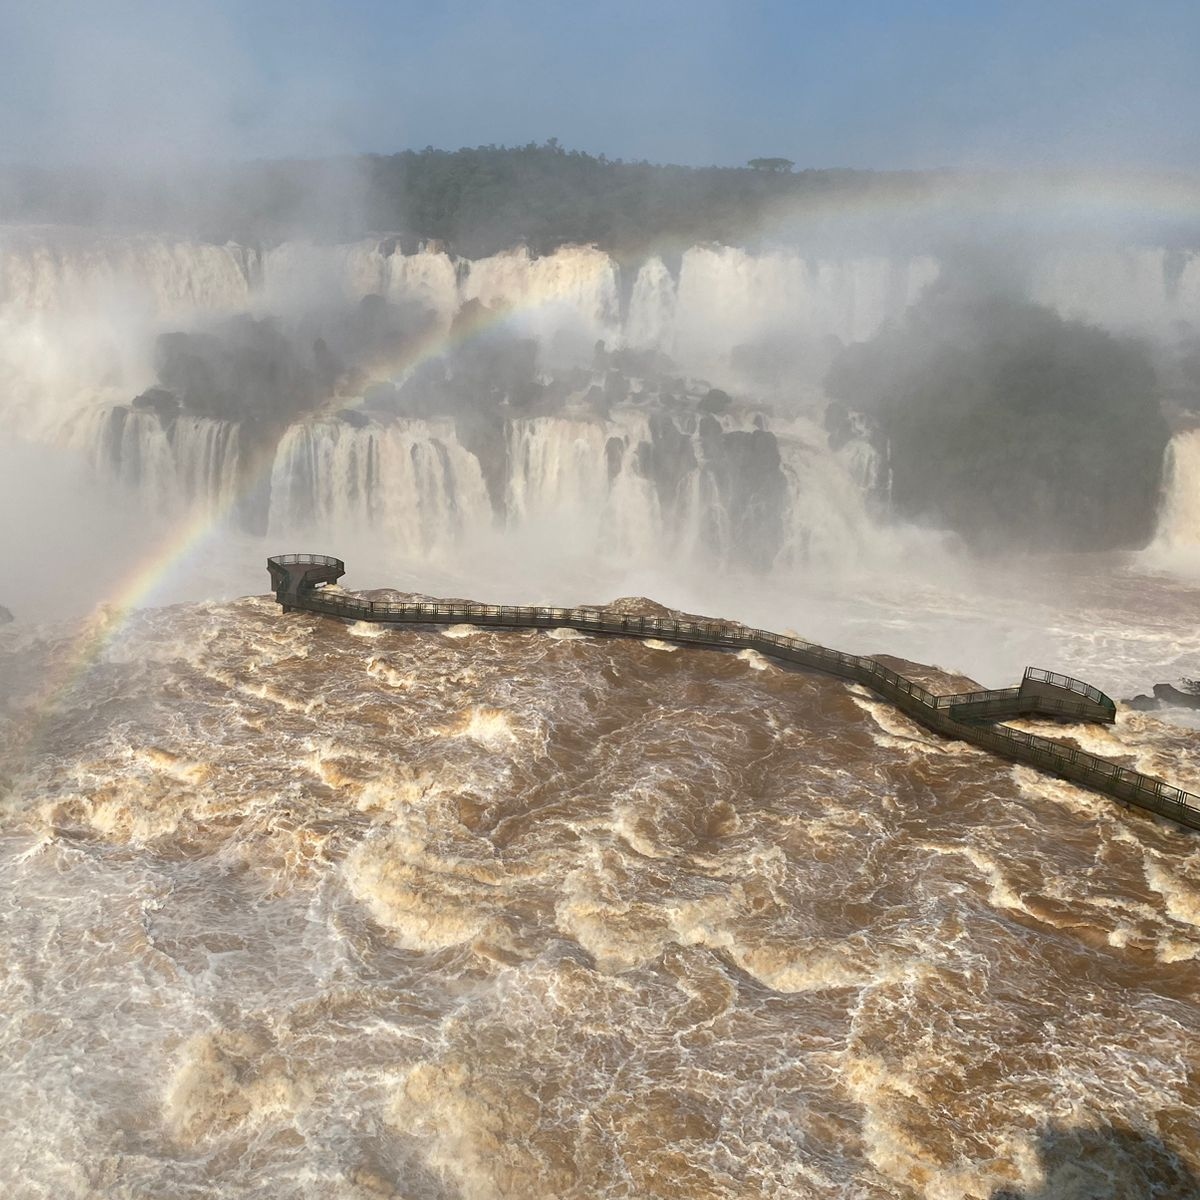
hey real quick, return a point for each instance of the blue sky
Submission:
(859, 83)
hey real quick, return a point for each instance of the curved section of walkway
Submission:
(969, 716)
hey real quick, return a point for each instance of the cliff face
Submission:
(1011, 426)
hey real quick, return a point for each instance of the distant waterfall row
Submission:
(188, 463)
(632, 487)
(79, 314)
(717, 297)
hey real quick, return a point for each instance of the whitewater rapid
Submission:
(304, 909)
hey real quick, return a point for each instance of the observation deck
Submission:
(297, 575)
(298, 581)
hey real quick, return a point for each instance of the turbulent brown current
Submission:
(296, 908)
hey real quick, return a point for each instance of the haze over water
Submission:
(304, 909)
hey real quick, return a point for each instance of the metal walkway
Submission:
(969, 716)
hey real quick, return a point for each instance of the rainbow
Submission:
(186, 540)
(1083, 197)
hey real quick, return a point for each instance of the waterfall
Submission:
(577, 481)
(1179, 515)
(629, 488)
(567, 299)
(634, 487)
(652, 308)
(719, 298)
(571, 298)
(63, 272)
(183, 464)
(412, 483)
(828, 519)
(728, 296)
(1138, 288)
(80, 312)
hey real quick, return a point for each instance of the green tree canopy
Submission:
(477, 200)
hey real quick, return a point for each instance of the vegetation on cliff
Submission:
(477, 200)
(1010, 425)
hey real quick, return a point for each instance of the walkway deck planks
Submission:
(973, 717)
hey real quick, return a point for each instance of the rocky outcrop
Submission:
(1166, 695)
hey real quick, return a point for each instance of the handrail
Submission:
(1065, 681)
(972, 697)
(961, 715)
(320, 560)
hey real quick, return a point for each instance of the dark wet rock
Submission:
(554, 394)
(644, 364)
(715, 401)
(381, 397)
(1107, 1162)
(112, 440)
(6, 617)
(614, 454)
(667, 459)
(164, 403)
(243, 368)
(482, 432)
(327, 366)
(838, 425)
(1171, 695)
(273, 372)
(616, 386)
(639, 606)
(934, 679)
(1166, 695)
(749, 474)
(354, 418)
(596, 400)
(1008, 424)
(742, 467)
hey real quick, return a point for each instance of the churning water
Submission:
(300, 909)
(305, 909)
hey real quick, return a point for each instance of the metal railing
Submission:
(319, 560)
(1069, 683)
(984, 694)
(956, 715)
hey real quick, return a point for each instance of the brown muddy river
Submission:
(300, 909)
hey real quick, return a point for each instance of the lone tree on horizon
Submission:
(778, 166)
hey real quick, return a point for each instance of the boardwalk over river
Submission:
(298, 579)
